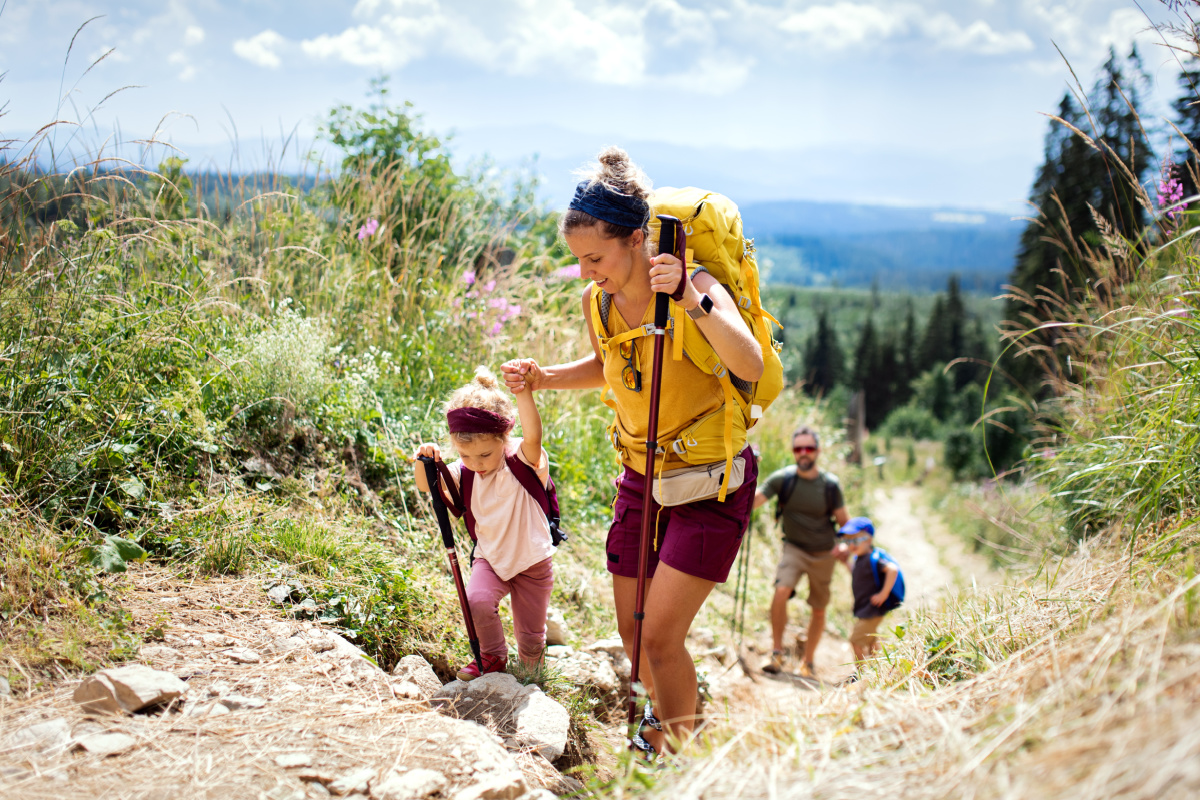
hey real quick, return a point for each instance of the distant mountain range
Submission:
(806, 243)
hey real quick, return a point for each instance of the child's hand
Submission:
(521, 374)
(879, 597)
(428, 449)
(842, 553)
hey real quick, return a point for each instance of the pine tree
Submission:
(824, 362)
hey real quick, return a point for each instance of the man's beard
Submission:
(805, 464)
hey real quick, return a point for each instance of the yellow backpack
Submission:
(715, 244)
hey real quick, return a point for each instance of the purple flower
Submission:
(489, 286)
(469, 277)
(567, 272)
(368, 229)
(499, 326)
(1170, 191)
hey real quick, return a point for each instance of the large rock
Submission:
(540, 773)
(588, 670)
(413, 784)
(466, 753)
(556, 627)
(522, 713)
(417, 680)
(128, 689)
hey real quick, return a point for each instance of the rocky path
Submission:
(257, 705)
(934, 560)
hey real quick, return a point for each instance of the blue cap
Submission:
(857, 525)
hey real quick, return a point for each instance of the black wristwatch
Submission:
(702, 308)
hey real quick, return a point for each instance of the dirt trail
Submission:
(934, 561)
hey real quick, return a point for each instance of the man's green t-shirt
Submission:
(806, 520)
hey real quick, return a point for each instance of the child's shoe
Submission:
(808, 670)
(491, 663)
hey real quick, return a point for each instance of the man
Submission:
(809, 503)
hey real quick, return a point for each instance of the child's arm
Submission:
(531, 428)
(427, 449)
(889, 580)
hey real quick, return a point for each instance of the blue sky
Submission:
(931, 102)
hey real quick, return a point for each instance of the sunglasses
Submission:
(804, 448)
(862, 537)
(631, 376)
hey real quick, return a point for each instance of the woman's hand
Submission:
(521, 374)
(666, 272)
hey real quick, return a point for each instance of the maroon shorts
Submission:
(699, 539)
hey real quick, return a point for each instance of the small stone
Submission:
(280, 594)
(503, 787)
(559, 651)
(291, 760)
(356, 782)
(415, 784)
(280, 630)
(218, 688)
(130, 689)
(53, 734)
(160, 652)
(243, 655)
(106, 744)
(5, 689)
(237, 702)
(216, 639)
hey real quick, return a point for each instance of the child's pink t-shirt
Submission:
(512, 532)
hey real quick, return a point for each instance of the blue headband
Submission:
(609, 205)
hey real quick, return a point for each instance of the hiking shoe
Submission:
(808, 670)
(491, 663)
(648, 718)
(775, 664)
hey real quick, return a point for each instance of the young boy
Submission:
(876, 579)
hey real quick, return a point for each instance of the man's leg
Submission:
(816, 626)
(779, 615)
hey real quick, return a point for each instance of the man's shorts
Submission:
(863, 635)
(699, 539)
(817, 565)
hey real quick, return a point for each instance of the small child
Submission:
(876, 579)
(513, 546)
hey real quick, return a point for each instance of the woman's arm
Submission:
(531, 428)
(722, 326)
(585, 373)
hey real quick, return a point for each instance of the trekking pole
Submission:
(443, 518)
(668, 242)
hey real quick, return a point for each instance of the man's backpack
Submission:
(715, 244)
(789, 486)
(897, 595)
(546, 496)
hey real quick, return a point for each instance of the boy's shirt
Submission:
(512, 532)
(863, 582)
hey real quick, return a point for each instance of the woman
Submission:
(606, 228)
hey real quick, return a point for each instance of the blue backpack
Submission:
(897, 595)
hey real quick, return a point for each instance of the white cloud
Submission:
(845, 24)
(261, 49)
(193, 35)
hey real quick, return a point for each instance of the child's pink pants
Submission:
(530, 599)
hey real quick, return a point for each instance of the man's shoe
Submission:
(491, 663)
(775, 665)
(808, 670)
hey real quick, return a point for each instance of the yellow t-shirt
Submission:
(688, 393)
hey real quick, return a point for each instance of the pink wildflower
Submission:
(368, 229)
(469, 277)
(567, 272)
(1170, 192)
(499, 326)
(489, 286)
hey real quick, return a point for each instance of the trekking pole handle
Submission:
(439, 507)
(668, 242)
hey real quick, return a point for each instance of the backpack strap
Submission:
(453, 501)
(830, 495)
(545, 494)
(785, 491)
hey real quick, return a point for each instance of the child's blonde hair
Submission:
(485, 392)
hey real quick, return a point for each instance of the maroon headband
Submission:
(478, 420)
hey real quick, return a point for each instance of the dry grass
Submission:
(1097, 697)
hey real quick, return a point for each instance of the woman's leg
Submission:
(673, 599)
(484, 592)
(530, 599)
